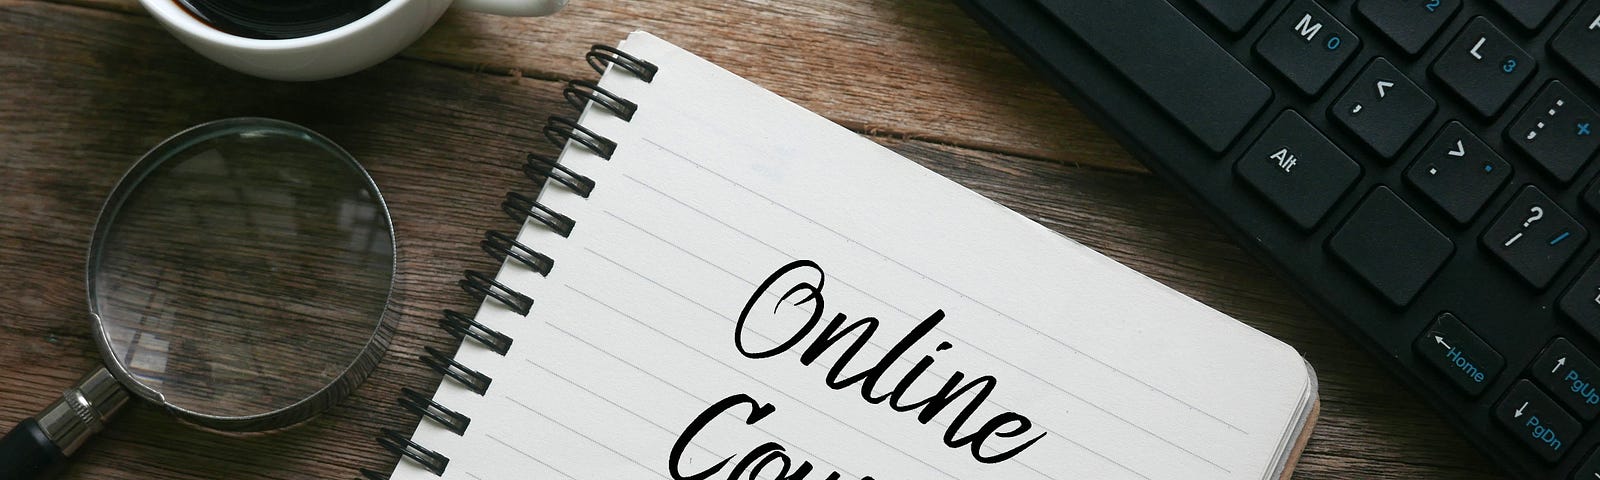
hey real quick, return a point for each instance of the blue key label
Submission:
(1539, 432)
(1460, 361)
(1582, 388)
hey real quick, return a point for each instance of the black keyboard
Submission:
(1421, 169)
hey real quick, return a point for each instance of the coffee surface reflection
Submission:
(278, 19)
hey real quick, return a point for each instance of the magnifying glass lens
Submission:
(243, 272)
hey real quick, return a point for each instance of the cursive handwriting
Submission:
(757, 463)
(804, 280)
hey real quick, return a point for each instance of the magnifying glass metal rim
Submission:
(353, 374)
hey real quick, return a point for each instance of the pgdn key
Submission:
(1537, 421)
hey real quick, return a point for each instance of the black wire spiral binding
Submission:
(546, 166)
(400, 445)
(442, 362)
(462, 326)
(417, 402)
(480, 285)
(560, 131)
(580, 92)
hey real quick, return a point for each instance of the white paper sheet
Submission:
(716, 185)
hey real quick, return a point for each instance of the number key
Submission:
(1308, 46)
(1484, 67)
(1410, 24)
(1529, 13)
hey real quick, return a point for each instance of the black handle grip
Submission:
(26, 453)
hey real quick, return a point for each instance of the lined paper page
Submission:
(655, 316)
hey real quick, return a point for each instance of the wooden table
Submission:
(86, 86)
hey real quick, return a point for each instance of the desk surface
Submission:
(86, 86)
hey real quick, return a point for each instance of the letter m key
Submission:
(1308, 29)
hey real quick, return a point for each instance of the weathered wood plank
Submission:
(912, 68)
(89, 90)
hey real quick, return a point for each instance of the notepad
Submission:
(749, 290)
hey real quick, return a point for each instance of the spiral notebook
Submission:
(715, 283)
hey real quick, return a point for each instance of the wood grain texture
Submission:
(915, 69)
(89, 87)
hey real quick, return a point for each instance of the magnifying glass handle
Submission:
(27, 452)
(36, 446)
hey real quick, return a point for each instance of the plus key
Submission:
(1558, 130)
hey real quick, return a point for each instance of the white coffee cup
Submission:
(341, 51)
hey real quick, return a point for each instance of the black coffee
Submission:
(279, 19)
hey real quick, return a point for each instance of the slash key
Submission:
(1534, 237)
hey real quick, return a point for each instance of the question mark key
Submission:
(1534, 237)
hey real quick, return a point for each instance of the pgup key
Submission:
(1534, 237)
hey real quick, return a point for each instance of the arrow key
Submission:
(1458, 353)
(1571, 375)
(1537, 421)
(1383, 108)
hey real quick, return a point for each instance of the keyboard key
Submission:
(1390, 246)
(1581, 302)
(1484, 67)
(1591, 196)
(1214, 98)
(1298, 169)
(1383, 108)
(1590, 470)
(1537, 421)
(1579, 44)
(1534, 237)
(1459, 354)
(1568, 373)
(1307, 45)
(1410, 24)
(1458, 172)
(1529, 13)
(1234, 15)
(1558, 130)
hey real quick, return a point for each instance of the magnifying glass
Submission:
(239, 276)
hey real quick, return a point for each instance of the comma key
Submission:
(1458, 353)
(1537, 421)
